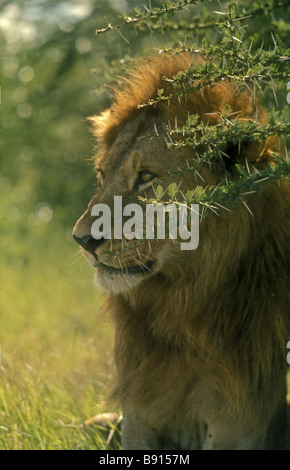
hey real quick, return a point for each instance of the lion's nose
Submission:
(88, 243)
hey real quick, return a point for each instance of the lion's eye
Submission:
(145, 177)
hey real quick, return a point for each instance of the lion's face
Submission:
(134, 153)
(137, 158)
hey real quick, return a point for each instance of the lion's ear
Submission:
(241, 153)
(255, 152)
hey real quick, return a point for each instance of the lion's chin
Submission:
(117, 281)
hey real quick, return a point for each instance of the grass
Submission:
(56, 344)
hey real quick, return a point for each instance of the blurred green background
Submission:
(56, 344)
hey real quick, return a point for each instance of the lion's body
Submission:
(201, 341)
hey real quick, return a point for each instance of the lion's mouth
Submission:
(139, 269)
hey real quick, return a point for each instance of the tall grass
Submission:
(56, 344)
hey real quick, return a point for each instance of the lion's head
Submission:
(134, 153)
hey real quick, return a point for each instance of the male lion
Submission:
(200, 335)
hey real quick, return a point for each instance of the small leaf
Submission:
(159, 192)
(188, 196)
(199, 191)
(172, 190)
(192, 120)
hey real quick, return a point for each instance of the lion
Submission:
(200, 345)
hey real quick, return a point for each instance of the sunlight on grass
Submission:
(56, 343)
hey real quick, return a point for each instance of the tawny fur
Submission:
(202, 339)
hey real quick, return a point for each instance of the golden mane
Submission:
(142, 85)
(146, 78)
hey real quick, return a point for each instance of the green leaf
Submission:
(199, 192)
(159, 192)
(192, 120)
(173, 190)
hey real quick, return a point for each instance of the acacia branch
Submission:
(154, 13)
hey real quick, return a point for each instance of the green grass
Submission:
(56, 344)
